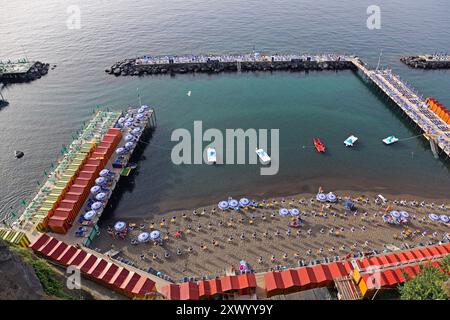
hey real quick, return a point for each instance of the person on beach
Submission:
(260, 260)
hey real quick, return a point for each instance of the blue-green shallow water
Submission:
(44, 114)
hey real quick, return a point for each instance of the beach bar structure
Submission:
(435, 129)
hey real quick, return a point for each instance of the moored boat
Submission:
(320, 147)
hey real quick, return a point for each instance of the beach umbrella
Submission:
(395, 214)
(128, 123)
(223, 205)
(444, 218)
(104, 173)
(129, 145)
(233, 203)
(283, 212)
(433, 217)
(121, 150)
(101, 196)
(121, 120)
(120, 226)
(321, 197)
(331, 197)
(143, 237)
(129, 137)
(136, 131)
(89, 215)
(244, 202)
(96, 205)
(140, 116)
(155, 235)
(100, 180)
(95, 189)
(294, 212)
(404, 214)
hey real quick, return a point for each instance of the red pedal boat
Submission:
(319, 145)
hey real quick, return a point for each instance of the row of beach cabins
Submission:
(69, 164)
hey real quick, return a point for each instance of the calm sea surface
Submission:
(44, 114)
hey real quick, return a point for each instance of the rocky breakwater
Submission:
(35, 71)
(422, 62)
(130, 68)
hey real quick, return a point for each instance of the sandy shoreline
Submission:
(261, 236)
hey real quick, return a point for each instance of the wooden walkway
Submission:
(434, 129)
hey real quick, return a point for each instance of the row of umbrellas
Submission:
(147, 236)
(285, 212)
(235, 204)
(443, 218)
(330, 197)
(99, 194)
(399, 214)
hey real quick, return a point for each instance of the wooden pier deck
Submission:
(434, 129)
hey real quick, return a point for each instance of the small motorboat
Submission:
(320, 147)
(390, 140)
(212, 155)
(189, 93)
(350, 141)
(263, 156)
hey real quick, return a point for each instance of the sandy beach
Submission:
(212, 240)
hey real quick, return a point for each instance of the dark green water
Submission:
(44, 114)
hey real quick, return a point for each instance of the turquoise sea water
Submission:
(44, 114)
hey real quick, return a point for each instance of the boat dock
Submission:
(68, 183)
(22, 70)
(148, 65)
(434, 128)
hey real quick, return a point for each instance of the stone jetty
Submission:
(232, 63)
(22, 71)
(427, 61)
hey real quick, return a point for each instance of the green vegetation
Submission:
(50, 280)
(430, 284)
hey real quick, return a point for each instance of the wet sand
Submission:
(263, 238)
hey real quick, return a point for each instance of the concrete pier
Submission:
(229, 63)
(22, 71)
(434, 129)
(427, 61)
